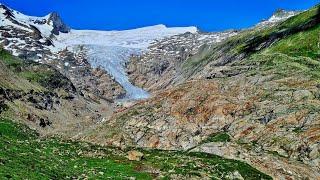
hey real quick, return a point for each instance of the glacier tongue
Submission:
(112, 49)
(113, 59)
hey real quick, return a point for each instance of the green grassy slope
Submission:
(297, 53)
(28, 74)
(296, 37)
(24, 155)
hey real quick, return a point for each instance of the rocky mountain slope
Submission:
(163, 65)
(252, 97)
(46, 100)
(39, 96)
(160, 66)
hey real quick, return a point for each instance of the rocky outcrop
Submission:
(94, 83)
(185, 116)
(162, 65)
(135, 155)
(44, 99)
(58, 25)
(280, 15)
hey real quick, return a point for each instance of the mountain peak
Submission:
(5, 10)
(278, 16)
(57, 23)
(50, 24)
(282, 13)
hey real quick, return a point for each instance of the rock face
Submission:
(92, 82)
(57, 23)
(278, 16)
(183, 117)
(135, 155)
(161, 66)
(46, 100)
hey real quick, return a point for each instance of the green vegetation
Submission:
(299, 53)
(305, 44)
(35, 76)
(299, 37)
(9, 60)
(30, 71)
(196, 61)
(218, 137)
(23, 154)
(35, 73)
(293, 47)
(298, 130)
(256, 39)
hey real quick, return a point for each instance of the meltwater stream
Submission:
(113, 59)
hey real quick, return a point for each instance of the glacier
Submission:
(113, 59)
(111, 50)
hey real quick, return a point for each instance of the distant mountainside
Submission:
(278, 16)
(160, 102)
(45, 39)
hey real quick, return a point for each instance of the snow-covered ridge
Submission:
(282, 15)
(46, 24)
(137, 38)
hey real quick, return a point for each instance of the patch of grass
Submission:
(23, 154)
(195, 164)
(305, 44)
(298, 130)
(37, 77)
(274, 153)
(298, 52)
(24, 69)
(219, 137)
(9, 60)
(202, 57)
(284, 65)
(35, 73)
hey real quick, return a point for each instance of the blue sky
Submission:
(208, 15)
